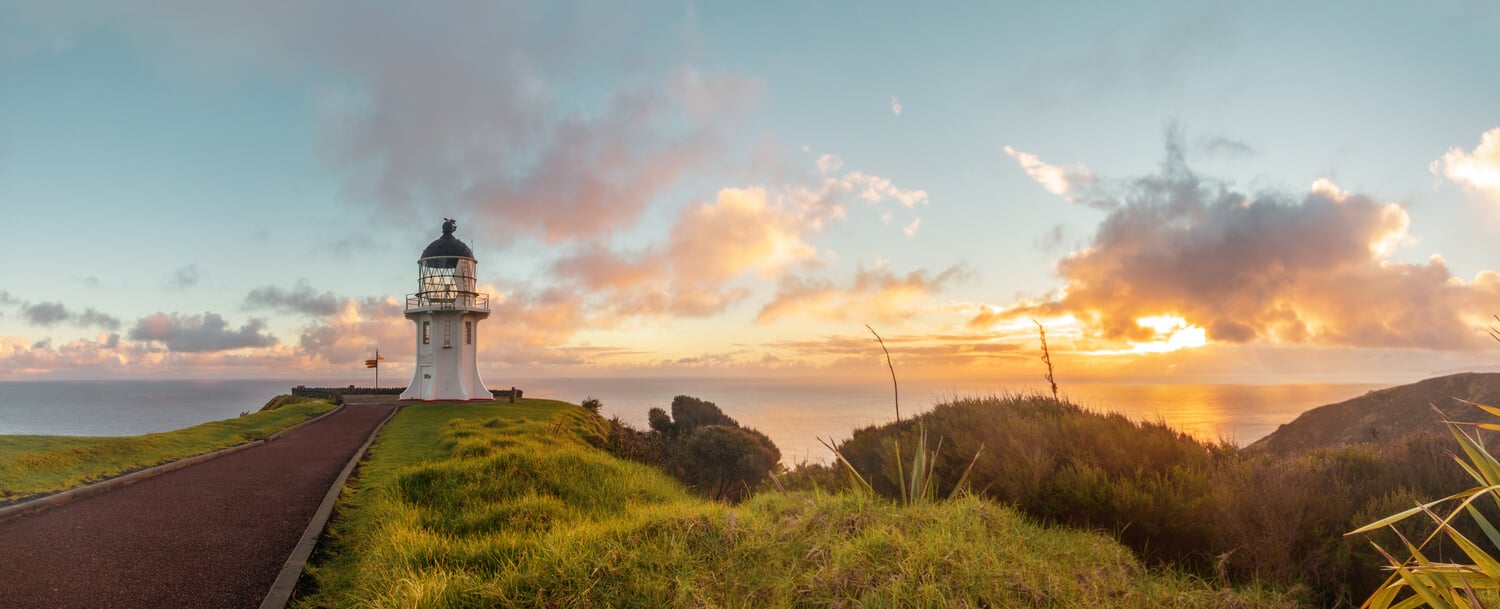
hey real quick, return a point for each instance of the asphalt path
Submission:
(212, 535)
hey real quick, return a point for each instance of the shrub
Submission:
(727, 462)
(1211, 509)
(699, 445)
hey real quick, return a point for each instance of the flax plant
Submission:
(1419, 581)
(920, 487)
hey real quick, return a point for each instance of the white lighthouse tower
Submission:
(447, 311)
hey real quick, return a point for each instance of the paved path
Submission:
(211, 535)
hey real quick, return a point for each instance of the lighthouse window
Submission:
(468, 333)
(426, 332)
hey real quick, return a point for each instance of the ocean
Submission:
(794, 412)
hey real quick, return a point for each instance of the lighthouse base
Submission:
(446, 368)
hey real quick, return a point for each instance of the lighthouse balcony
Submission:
(465, 301)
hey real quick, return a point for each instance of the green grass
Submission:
(37, 465)
(508, 505)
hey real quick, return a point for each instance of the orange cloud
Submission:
(1267, 269)
(714, 248)
(875, 295)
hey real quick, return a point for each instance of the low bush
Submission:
(701, 446)
(1212, 509)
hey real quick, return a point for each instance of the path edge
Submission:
(286, 582)
(46, 502)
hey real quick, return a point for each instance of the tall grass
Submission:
(33, 465)
(502, 506)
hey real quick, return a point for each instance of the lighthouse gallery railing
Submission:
(448, 300)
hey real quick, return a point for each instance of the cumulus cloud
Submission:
(185, 277)
(347, 329)
(1309, 269)
(49, 314)
(1478, 170)
(21, 357)
(300, 299)
(711, 244)
(829, 199)
(45, 313)
(874, 295)
(200, 333)
(713, 247)
(95, 318)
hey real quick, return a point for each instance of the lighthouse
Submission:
(446, 310)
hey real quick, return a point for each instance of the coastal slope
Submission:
(1386, 414)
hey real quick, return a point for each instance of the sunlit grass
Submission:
(34, 465)
(502, 505)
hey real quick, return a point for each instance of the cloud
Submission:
(300, 299)
(348, 329)
(521, 118)
(45, 314)
(829, 200)
(713, 248)
(92, 317)
(49, 314)
(200, 333)
(874, 295)
(1219, 147)
(742, 232)
(1478, 170)
(1075, 183)
(185, 277)
(1313, 269)
(895, 106)
(21, 357)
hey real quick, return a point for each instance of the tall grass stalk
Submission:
(896, 395)
(1046, 357)
(1443, 585)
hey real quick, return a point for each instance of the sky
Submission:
(1174, 191)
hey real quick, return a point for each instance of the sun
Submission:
(1172, 333)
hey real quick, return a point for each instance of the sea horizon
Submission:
(794, 411)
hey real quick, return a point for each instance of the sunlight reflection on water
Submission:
(795, 412)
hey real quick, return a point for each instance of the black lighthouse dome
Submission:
(448, 245)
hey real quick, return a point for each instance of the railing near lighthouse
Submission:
(448, 301)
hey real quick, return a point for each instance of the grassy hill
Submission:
(1385, 415)
(509, 505)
